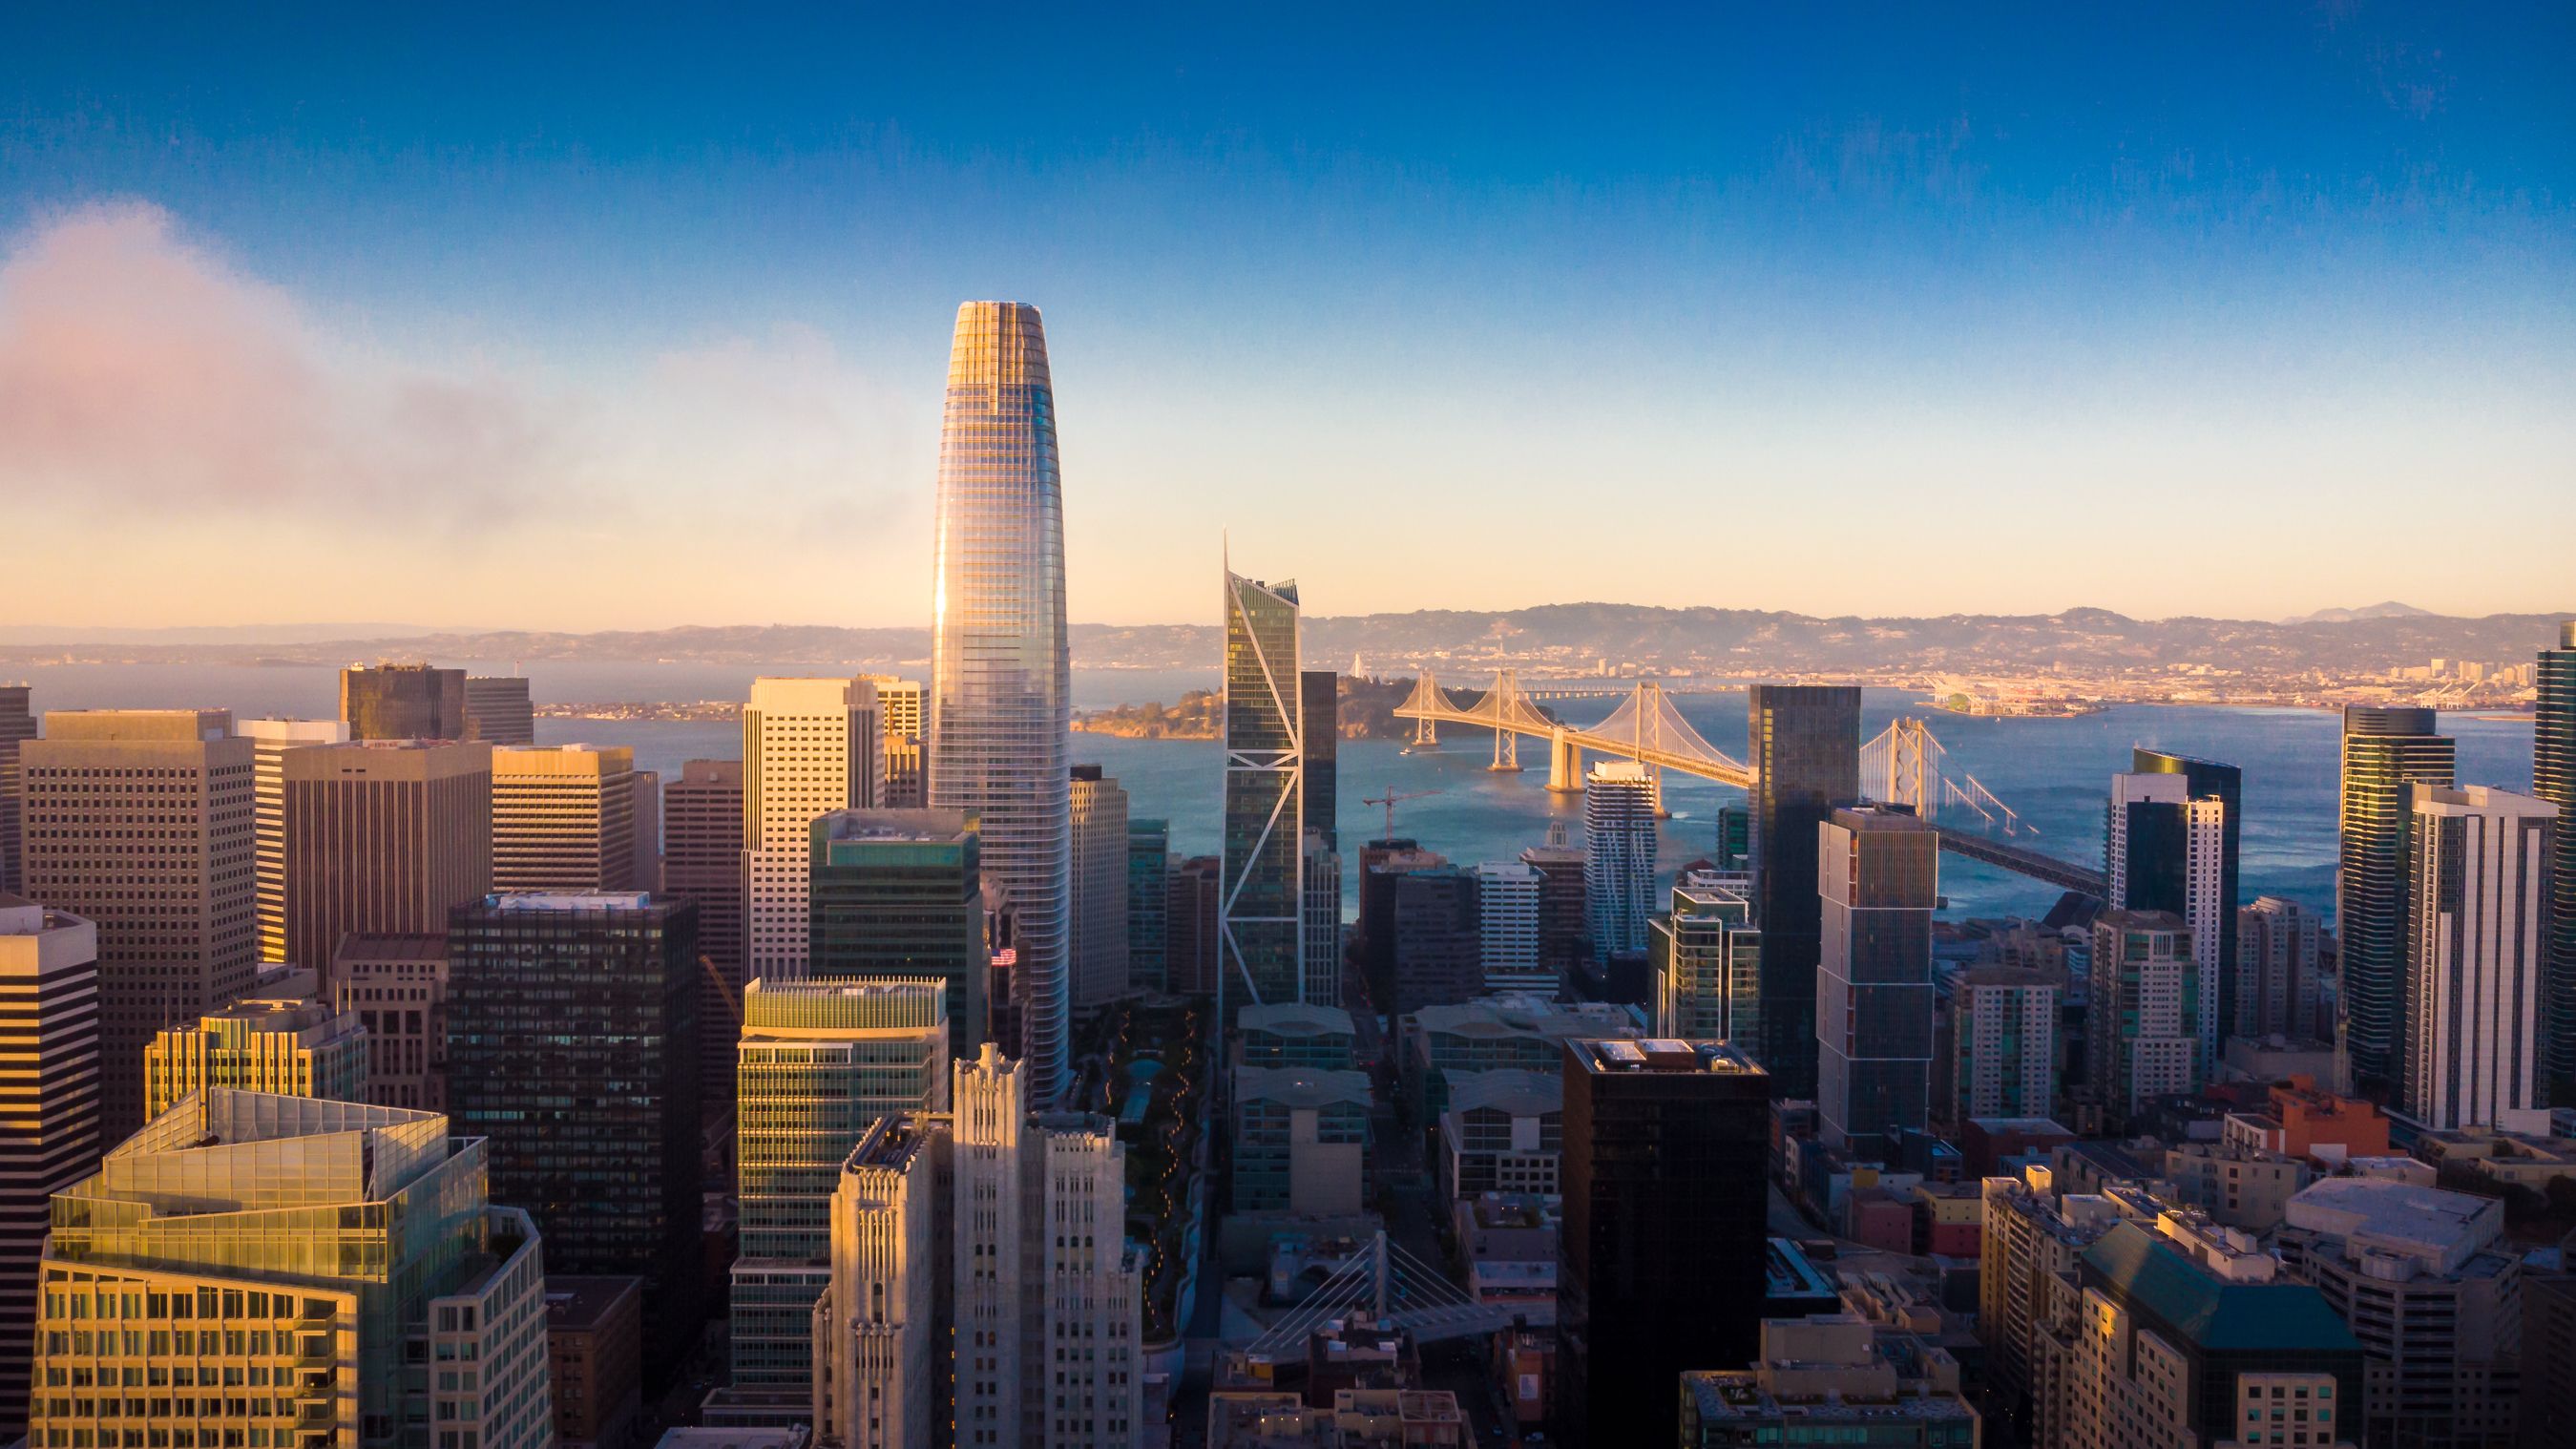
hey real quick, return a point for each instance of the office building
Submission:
(396, 985)
(899, 895)
(2385, 753)
(1000, 676)
(270, 740)
(1705, 959)
(1295, 1034)
(818, 1063)
(1619, 799)
(48, 1106)
(1663, 1264)
(563, 818)
(2142, 1039)
(702, 863)
(2166, 852)
(997, 1229)
(1149, 905)
(2187, 1335)
(286, 1268)
(2207, 784)
(383, 836)
(809, 747)
(901, 716)
(1382, 864)
(1504, 1132)
(498, 712)
(1830, 1378)
(2279, 947)
(1805, 745)
(1190, 922)
(403, 702)
(1261, 927)
(2553, 778)
(1323, 929)
(1564, 936)
(2549, 1355)
(572, 1045)
(1097, 955)
(2423, 1281)
(277, 1040)
(1507, 924)
(2476, 919)
(1320, 733)
(2239, 1186)
(143, 823)
(1734, 854)
(2008, 1053)
(1438, 1043)
(1879, 871)
(648, 830)
(17, 726)
(1439, 940)
(595, 1351)
(1300, 1139)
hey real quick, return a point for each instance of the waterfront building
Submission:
(1619, 799)
(2278, 962)
(48, 1107)
(817, 1064)
(1439, 945)
(2476, 912)
(2553, 778)
(1190, 921)
(1300, 1139)
(1001, 679)
(270, 740)
(1804, 741)
(1262, 926)
(2423, 1280)
(2141, 1030)
(1665, 1143)
(898, 895)
(1149, 904)
(1830, 1378)
(290, 1269)
(2166, 850)
(572, 1046)
(702, 863)
(1322, 944)
(1564, 937)
(1504, 1132)
(497, 710)
(1879, 872)
(403, 702)
(396, 985)
(1507, 895)
(2385, 753)
(383, 836)
(1705, 958)
(277, 1039)
(981, 1279)
(564, 818)
(2207, 783)
(1097, 956)
(809, 747)
(143, 823)
(1296, 1034)
(2008, 1053)
(1319, 735)
(17, 726)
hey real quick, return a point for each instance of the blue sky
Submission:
(2193, 309)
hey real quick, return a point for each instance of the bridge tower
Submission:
(1505, 702)
(1564, 762)
(1426, 691)
(1901, 767)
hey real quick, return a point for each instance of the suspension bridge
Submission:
(1906, 764)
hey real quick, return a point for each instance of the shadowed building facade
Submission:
(382, 836)
(2553, 778)
(1261, 927)
(2385, 753)
(1805, 746)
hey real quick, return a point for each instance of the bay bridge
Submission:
(1904, 765)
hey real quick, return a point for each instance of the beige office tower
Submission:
(48, 1107)
(1099, 880)
(270, 740)
(283, 1271)
(497, 710)
(899, 719)
(563, 818)
(1045, 1294)
(396, 985)
(277, 1039)
(148, 829)
(17, 726)
(809, 747)
(383, 835)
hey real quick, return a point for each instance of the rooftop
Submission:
(1665, 1056)
(517, 901)
(1301, 1086)
(1294, 1018)
(576, 1302)
(2429, 1223)
(2210, 1311)
(391, 947)
(1508, 1089)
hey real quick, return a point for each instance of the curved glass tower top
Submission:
(1001, 681)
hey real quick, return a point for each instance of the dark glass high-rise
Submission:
(1804, 740)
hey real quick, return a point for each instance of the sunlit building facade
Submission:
(1704, 962)
(1001, 677)
(1261, 930)
(278, 1040)
(1098, 872)
(808, 748)
(48, 1106)
(270, 740)
(1618, 855)
(2385, 753)
(564, 818)
(2477, 886)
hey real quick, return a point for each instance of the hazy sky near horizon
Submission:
(604, 319)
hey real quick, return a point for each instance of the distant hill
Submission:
(2390, 610)
(1563, 635)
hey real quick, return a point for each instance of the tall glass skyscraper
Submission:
(2385, 753)
(1259, 931)
(1805, 743)
(1000, 679)
(2553, 778)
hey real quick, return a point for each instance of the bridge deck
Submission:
(2021, 860)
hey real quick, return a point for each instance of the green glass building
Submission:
(898, 895)
(2385, 752)
(1149, 904)
(2553, 778)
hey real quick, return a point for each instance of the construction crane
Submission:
(1390, 800)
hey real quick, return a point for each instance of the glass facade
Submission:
(2553, 778)
(1260, 930)
(1705, 962)
(899, 895)
(1880, 877)
(1805, 743)
(2385, 752)
(1149, 904)
(1001, 680)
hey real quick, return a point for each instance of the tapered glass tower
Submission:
(1258, 925)
(1001, 681)
(2386, 752)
